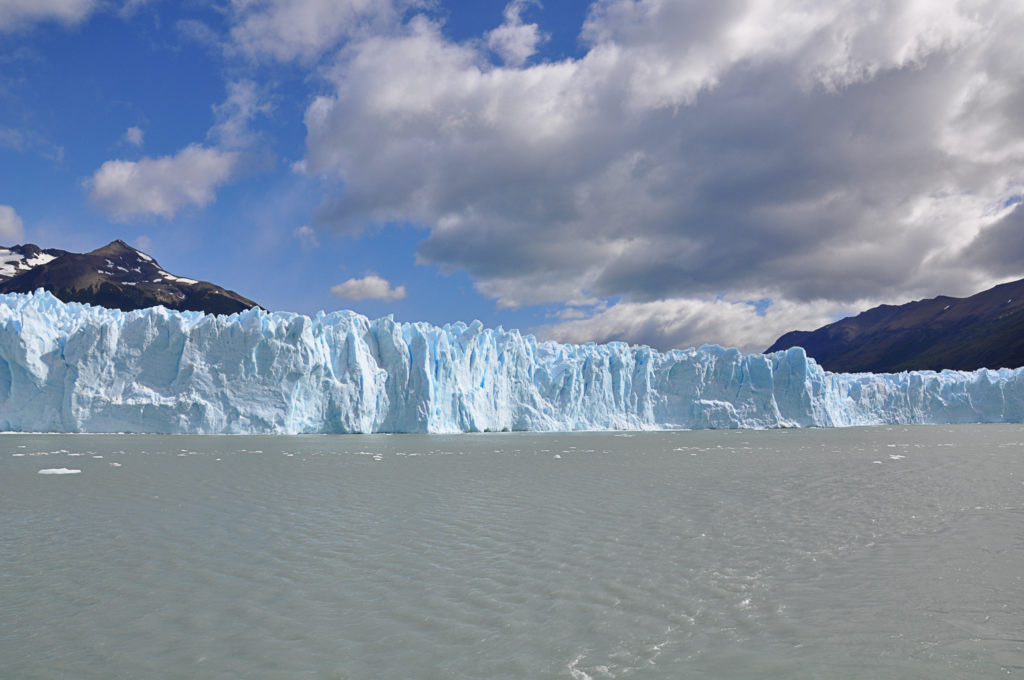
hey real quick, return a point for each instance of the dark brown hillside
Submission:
(985, 330)
(116, 276)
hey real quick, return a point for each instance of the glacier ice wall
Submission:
(77, 368)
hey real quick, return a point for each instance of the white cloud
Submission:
(144, 243)
(129, 7)
(370, 287)
(820, 153)
(305, 29)
(16, 14)
(24, 140)
(162, 186)
(134, 136)
(21, 14)
(12, 230)
(514, 41)
(682, 323)
(190, 178)
(244, 103)
(199, 32)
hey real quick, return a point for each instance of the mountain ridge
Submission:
(116, 276)
(984, 330)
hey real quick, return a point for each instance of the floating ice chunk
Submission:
(59, 471)
(575, 672)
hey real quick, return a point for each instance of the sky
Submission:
(662, 172)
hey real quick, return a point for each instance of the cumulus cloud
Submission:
(190, 178)
(822, 154)
(514, 41)
(11, 228)
(162, 186)
(369, 287)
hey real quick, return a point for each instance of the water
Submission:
(858, 553)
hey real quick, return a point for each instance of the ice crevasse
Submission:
(79, 368)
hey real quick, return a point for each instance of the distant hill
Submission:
(115, 276)
(982, 331)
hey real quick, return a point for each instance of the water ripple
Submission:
(766, 554)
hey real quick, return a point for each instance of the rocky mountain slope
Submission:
(985, 330)
(116, 276)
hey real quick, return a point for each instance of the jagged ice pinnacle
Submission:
(78, 368)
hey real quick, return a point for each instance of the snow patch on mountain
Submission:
(13, 262)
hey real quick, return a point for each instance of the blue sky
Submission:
(670, 173)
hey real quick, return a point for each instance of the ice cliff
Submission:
(77, 368)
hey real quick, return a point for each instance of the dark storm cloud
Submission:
(1000, 246)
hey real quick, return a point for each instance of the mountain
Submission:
(985, 330)
(116, 276)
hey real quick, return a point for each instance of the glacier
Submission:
(79, 368)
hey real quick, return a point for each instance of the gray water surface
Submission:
(855, 553)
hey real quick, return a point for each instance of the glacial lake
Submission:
(851, 553)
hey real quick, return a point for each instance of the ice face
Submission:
(77, 368)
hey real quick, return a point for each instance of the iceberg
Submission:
(79, 368)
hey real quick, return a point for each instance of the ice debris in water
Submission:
(79, 368)
(59, 471)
